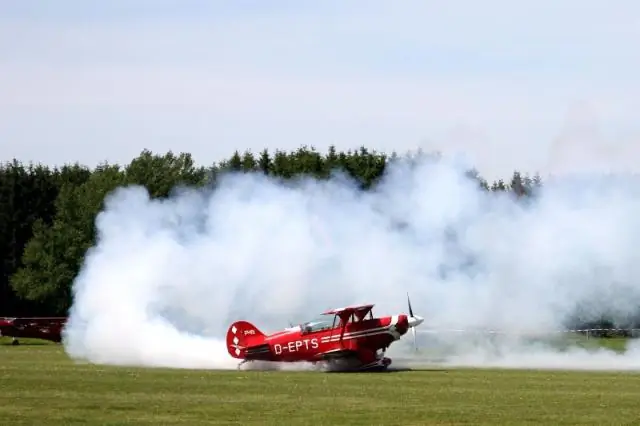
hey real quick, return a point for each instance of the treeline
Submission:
(47, 213)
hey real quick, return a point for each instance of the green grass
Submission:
(39, 385)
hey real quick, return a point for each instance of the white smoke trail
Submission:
(166, 278)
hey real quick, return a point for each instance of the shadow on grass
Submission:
(389, 370)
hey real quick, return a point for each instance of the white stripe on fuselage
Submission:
(337, 333)
(368, 330)
(336, 338)
(389, 329)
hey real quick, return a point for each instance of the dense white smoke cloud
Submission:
(166, 278)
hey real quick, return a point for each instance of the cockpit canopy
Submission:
(316, 325)
(339, 316)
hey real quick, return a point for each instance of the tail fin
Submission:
(240, 336)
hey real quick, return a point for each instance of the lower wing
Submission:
(337, 354)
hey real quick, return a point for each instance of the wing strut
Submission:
(344, 326)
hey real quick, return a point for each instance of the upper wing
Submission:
(349, 309)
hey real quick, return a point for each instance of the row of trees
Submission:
(47, 214)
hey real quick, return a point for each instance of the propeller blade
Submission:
(415, 343)
(414, 321)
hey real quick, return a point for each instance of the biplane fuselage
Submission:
(352, 334)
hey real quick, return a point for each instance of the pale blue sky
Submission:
(510, 84)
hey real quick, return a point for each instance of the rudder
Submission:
(240, 336)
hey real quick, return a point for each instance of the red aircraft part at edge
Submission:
(34, 328)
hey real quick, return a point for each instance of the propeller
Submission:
(414, 320)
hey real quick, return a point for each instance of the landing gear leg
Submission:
(383, 361)
(374, 362)
(242, 362)
(15, 342)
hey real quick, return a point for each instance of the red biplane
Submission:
(353, 340)
(33, 328)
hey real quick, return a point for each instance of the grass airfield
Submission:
(39, 385)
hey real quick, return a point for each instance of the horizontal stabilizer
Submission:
(258, 352)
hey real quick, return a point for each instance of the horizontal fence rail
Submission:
(588, 332)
